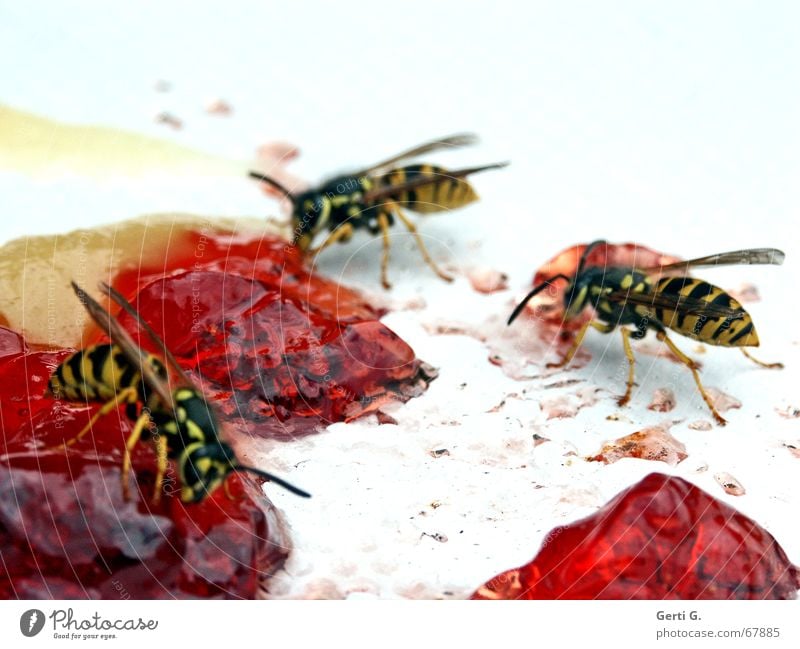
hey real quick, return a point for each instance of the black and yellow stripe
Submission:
(446, 193)
(99, 373)
(726, 332)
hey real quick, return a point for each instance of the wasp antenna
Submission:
(82, 295)
(273, 478)
(536, 290)
(270, 181)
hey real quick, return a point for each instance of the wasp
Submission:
(638, 300)
(372, 198)
(186, 427)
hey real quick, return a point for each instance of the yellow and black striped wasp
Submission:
(186, 427)
(655, 298)
(371, 198)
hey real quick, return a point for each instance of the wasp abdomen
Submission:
(446, 194)
(726, 332)
(99, 373)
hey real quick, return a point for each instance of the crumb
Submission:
(663, 400)
(499, 406)
(446, 329)
(700, 424)
(730, 484)
(723, 401)
(568, 405)
(562, 384)
(793, 448)
(745, 293)
(789, 412)
(439, 452)
(383, 418)
(655, 443)
(487, 280)
(219, 107)
(168, 119)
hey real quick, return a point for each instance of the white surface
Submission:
(675, 127)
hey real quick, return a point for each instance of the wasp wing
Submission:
(123, 339)
(735, 257)
(157, 341)
(458, 140)
(681, 304)
(388, 191)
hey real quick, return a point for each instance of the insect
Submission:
(372, 198)
(655, 298)
(187, 429)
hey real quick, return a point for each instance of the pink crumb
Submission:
(730, 484)
(663, 400)
(487, 280)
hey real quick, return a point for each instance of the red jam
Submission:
(279, 350)
(662, 538)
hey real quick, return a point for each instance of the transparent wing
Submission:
(678, 303)
(452, 141)
(122, 338)
(736, 257)
(157, 341)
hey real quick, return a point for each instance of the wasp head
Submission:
(205, 469)
(309, 214)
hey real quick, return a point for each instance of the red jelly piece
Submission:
(662, 538)
(66, 532)
(549, 304)
(281, 351)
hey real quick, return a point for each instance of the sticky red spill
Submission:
(278, 349)
(663, 538)
(549, 304)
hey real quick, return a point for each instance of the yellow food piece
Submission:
(33, 144)
(35, 272)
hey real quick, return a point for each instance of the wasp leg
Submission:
(420, 244)
(161, 466)
(769, 366)
(683, 358)
(600, 326)
(342, 233)
(130, 444)
(128, 395)
(626, 345)
(383, 223)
